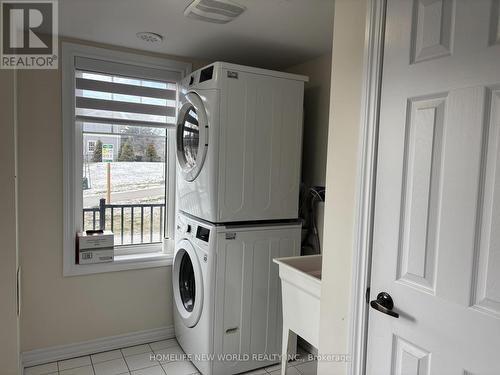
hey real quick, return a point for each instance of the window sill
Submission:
(122, 263)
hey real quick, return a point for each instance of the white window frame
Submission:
(134, 256)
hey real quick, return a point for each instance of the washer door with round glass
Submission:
(192, 136)
(188, 283)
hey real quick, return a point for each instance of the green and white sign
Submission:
(107, 153)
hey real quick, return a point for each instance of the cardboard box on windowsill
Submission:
(96, 256)
(94, 246)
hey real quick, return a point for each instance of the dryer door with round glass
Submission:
(192, 136)
(187, 283)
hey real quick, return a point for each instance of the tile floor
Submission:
(136, 360)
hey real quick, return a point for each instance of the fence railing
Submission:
(131, 223)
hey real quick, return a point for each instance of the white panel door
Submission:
(436, 245)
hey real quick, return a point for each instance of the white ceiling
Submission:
(270, 34)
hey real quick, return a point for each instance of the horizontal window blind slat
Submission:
(117, 106)
(126, 70)
(118, 121)
(120, 88)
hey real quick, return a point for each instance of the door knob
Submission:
(384, 304)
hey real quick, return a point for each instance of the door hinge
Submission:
(367, 295)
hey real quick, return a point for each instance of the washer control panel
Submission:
(188, 228)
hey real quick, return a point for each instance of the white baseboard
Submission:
(57, 353)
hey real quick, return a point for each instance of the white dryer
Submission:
(239, 143)
(227, 295)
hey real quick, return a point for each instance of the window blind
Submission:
(110, 92)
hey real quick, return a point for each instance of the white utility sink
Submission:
(301, 293)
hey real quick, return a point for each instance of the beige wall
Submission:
(342, 165)
(60, 310)
(9, 324)
(316, 113)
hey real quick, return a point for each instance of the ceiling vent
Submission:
(150, 37)
(215, 11)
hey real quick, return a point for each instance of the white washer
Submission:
(227, 295)
(239, 142)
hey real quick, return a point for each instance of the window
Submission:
(124, 176)
(119, 113)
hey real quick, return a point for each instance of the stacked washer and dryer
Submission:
(239, 142)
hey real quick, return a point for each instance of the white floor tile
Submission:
(179, 368)
(41, 369)
(174, 353)
(277, 367)
(289, 371)
(256, 372)
(308, 368)
(273, 368)
(74, 362)
(106, 356)
(136, 360)
(158, 345)
(157, 370)
(114, 367)
(138, 349)
(85, 370)
(140, 361)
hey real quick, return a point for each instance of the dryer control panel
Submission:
(202, 75)
(202, 233)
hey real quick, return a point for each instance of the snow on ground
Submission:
(125, 176)
(131, 182)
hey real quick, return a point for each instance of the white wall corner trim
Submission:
(61, 352)
(372, 80)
